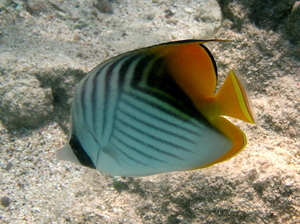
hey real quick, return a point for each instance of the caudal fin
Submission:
(233, 101)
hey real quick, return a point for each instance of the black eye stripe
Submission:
(80, 153)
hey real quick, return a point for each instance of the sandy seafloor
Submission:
(45, 49)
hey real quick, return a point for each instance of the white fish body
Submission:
(131, 118)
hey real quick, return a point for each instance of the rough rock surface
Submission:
(24, 103)
(46, 47)
(276, 15)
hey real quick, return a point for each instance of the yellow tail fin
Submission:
(232, 99)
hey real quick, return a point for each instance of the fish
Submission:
(155, 110)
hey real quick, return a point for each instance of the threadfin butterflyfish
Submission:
(155, 110)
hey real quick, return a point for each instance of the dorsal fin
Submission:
(191, 65)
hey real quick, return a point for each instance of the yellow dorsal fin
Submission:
(232, 99)
(191, 65)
